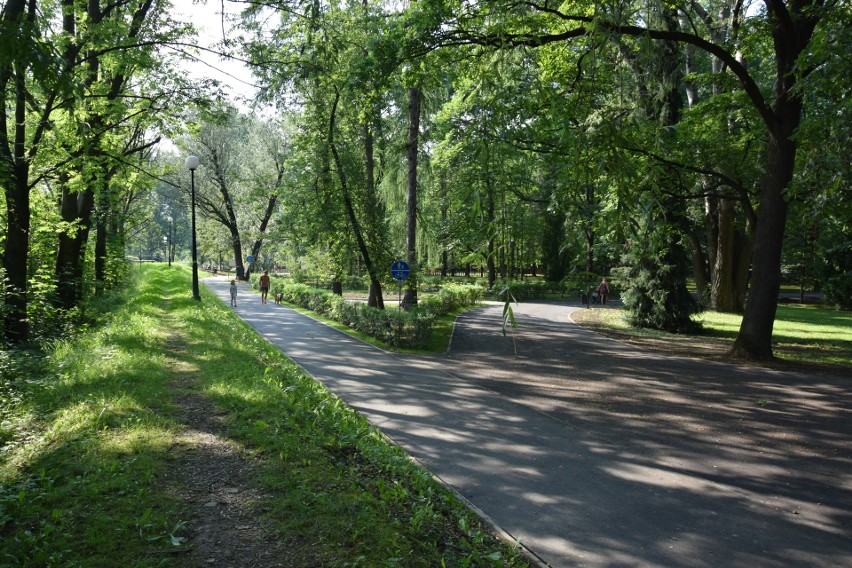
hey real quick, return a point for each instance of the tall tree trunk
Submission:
(229, 217)
(553, 236)
(791, 31)
(589, 213)
(699, 266)
(375, 298)
(101, 250)
(374, 215)
(264, 223)
(16, 327)
(754, 340)
(410, 298)
(15, 166)
(444, 212)
(76, 210)
(723, 295)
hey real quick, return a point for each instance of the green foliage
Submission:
(650, 301)
(583, 283)
(527, 289)
(88, 446)
(838, 290)
(451, 297)
(837, 254)
(402, 329)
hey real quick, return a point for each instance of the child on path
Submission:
(233, 293)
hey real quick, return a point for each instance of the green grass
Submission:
(801, 333)
(89, 433)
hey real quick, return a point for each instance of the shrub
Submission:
(355, 282)
(530, 289)
(838, 290)
(451, 297)
(401, 329)
(581, 284)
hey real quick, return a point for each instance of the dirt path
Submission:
(214, 476)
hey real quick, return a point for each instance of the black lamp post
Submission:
(169, 245)
(192, 163)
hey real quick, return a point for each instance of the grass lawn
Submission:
(97, 433)
(804, 336)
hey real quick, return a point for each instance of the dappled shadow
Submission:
(593, 453)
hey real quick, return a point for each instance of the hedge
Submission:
(408, 329)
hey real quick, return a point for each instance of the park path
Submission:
(592, 453)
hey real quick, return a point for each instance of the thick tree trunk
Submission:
(723, 296)
(410, 298)
(791, 32)
(76, 209)
(16, 327)
(754, 340)
(237, 247)
(17, 193)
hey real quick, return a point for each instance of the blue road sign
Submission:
(249, 259)
(400, 270)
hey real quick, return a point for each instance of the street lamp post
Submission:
(192, 163)
(171, 230)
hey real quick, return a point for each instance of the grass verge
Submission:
(805, 337)
(90, 430)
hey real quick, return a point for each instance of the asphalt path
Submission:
(588, 452)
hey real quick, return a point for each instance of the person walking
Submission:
(264, 286)
(603, 291)
(234, 293)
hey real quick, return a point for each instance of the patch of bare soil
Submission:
(214, 477)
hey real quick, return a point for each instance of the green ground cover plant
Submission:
(95, 427)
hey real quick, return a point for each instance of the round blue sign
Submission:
(249, 258)
(400, 270)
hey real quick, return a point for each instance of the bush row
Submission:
(407, 329)
(574, 285)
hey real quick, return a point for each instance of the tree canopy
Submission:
(664, 145)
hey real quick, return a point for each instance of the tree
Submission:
(78, 95)
(22, 59)
(790, 28)
(245, 171)
(410, 298)
(338, 87)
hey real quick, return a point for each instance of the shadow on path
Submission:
(592, 453)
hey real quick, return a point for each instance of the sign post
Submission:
(400, 270)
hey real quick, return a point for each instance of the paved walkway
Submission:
(591, 453)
